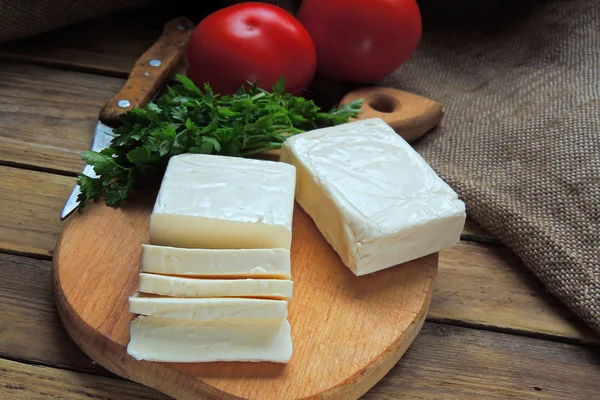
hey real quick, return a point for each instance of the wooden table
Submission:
(492, 330)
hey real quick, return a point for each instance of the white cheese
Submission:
(189, 287)
(203, 308)
(372, 196)
(188, 340)
(209, 201)
(265, 263)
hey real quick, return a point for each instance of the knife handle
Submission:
(150, 71)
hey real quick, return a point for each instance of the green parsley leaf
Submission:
(118, 191)
(187, 119)
(140, 155)
(342, 114)
(188, 84)
(279, 86)
(89, 189)
(102, 163)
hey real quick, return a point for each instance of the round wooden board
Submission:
(347, 331)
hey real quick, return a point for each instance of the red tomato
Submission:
(250, 42)
(361, 40)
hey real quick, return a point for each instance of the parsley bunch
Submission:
(188, 120)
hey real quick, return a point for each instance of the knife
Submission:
(145, 80)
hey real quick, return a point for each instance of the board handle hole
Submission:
(383, 103)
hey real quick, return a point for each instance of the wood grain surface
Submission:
(26, 382)
(29, 202)
(88, 47)
(347, 331)
(44, 124)
(448, 362)
(47, 117)
(463, 362)
(410, 115)
(108, 45)
(489, 287)
(30, 327)
(438, 365)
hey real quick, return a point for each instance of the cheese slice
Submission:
(188, 287)
(264, 263)
(218, 202)
(207, 308)
(372, 196)
(188, 340)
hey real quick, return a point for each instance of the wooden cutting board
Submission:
(347, 331)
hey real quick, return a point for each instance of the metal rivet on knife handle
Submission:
(151, 71)
(124, 103)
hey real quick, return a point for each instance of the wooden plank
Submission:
(444, 361)
(477, 285)
(30, 204)
(488, 286)
(24, 382)
(88, 47)
(31, 328)
(48, 116)
(107, 45)
(447, 362)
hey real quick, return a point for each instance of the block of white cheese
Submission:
(207, 308)
(264, 263)
(189, 340)
(218, 202)
(176, 286)
(372, 196)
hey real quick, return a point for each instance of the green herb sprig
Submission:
(186, 119)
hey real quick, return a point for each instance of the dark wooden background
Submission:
(492, 331)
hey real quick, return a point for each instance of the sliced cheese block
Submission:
(372, 196)
(218, 202)
(203, 308)
(188, 340)
(188, 287)
(267, 263)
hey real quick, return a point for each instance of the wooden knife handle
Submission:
(150, 71)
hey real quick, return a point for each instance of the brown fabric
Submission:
(22, 18)
(520, 141)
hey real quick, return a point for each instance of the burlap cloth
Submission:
(520, 141)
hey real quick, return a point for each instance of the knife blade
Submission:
(102, 138)
(149, 74)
